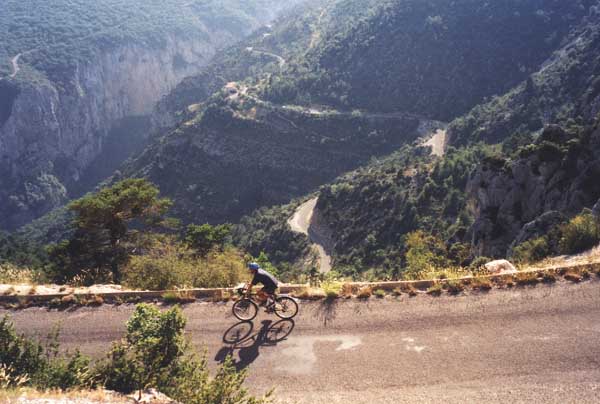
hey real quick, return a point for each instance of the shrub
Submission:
(409, 289)
(178, 297)
(479, 262)
(573, 276)
(579, 234)
(549, 277)
(435, 289)
(379, 293)
(26, 362)
(397, 292)
(310, 294)
(425, 252)
(365, 292)
(347, 290)
(154, 353)
(482, 284)
(332, 289)
(532, 250)
(527, 278)
(455, 287)
(169, 264)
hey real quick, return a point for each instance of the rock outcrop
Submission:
(514, 200)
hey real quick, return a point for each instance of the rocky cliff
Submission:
(52, 133)
(516, 199)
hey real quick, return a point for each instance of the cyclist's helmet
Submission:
(253, 266)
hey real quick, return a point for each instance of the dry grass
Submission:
(549, 277)
(527, 278)
(347, 290)
(435, 289)
(481, 284)
(397, 292)
(178, 297)
(23, 395)
(573, 276)
(365, 292)
(309, 293)
(409, 289)
(455, 287)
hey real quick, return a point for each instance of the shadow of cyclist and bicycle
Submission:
(242, 338)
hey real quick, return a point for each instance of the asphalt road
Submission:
(530, 345)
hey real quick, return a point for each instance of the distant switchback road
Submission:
(526, 345)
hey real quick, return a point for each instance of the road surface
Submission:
(527, 345)
(302, 222)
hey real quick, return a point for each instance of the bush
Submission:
(155, 354)
(532, 250)
(364, 292)
(169, 264)
(579, 234)
(455, 287)
(379, 293)
(26, 362)
(435, 290)
(10, 274)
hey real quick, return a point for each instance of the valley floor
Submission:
(538, 344)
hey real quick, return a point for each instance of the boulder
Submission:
(500, 267)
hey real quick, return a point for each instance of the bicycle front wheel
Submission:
(245, 309)
(286, 307)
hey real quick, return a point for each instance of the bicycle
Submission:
(246, 308)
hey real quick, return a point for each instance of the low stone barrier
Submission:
(221, 293)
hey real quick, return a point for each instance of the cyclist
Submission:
(268, 281)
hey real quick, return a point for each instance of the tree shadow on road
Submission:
(326, 311)
(241, 338)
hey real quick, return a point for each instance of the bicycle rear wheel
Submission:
(286, 307)
(245, 309)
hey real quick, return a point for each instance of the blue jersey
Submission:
(268, 280)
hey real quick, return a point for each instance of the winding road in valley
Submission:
(280, 59)
(15, 66)
(302, 222)
(527, 345)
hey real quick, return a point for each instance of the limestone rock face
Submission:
(538, 227)
(513, 200)
(52, 133)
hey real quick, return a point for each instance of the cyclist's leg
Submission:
(262, 296)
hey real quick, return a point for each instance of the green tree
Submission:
(204, 238)
(424, 253)
(102, 240)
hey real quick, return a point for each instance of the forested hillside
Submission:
(495, 199)
(435, 58)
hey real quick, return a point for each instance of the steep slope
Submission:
(239, 153)
(476, 199)
(566, 87)
(85, 66)
(435, 58)
(329, 43)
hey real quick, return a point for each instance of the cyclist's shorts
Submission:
(270, 291)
